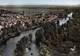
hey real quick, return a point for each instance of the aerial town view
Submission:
(40, 28)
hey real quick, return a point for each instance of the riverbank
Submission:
(42, 34)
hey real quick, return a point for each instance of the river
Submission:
(11, 44)
(9, 48)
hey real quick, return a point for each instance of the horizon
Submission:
(40, 2)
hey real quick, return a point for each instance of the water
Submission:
(11, 44)
(34, 50)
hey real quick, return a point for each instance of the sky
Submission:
(39, 2)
